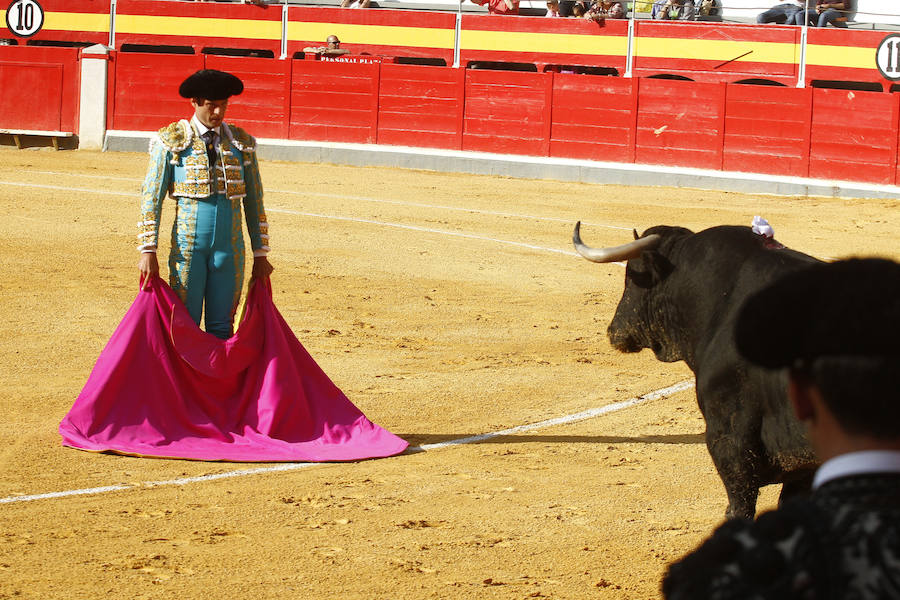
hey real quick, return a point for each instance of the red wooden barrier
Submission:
(199, 25)
(379, 32)
(74, 21)
(40, 88)
(680, 123)
(421, 106)
(767, 129)
(264, 107)
(544, 41)
(854, 136)
(146, 91)
(594, 117)
(894, 135)
(838, 54)
(508, 112)
(334, 101)
(710, 52)
(111, 88)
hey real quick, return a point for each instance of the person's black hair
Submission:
(862, 392)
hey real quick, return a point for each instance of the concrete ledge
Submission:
(531, 167)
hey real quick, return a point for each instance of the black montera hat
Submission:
(846, 308)
(211, 84)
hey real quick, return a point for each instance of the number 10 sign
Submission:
(24, 18)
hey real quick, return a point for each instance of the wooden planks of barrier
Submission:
(767, 129)
(48, 79)
(854, 135)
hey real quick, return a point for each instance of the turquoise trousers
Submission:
(208, 258)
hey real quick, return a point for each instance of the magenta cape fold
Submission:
(162, 387)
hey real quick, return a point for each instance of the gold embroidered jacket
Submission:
(179, 167)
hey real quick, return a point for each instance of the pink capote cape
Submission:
(162, 387)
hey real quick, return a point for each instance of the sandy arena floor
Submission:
(445, 306)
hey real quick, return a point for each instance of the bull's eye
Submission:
(642, 279)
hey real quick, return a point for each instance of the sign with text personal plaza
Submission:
(359, 60)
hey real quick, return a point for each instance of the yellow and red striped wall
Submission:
(708, 121)
(698, 51)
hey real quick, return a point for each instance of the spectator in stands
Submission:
(499, 7)
(355, 3)
(781, 14)
(579, 10)
(565, 7)
(553, 9)
(665, 10)
(332, 48)
(601, 10)
(834, 329)
(825, 12)
(708, 8)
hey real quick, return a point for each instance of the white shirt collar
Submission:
(858, 463)
(201, 128)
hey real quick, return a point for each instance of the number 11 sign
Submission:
(888, 57)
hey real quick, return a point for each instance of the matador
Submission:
(209, 168)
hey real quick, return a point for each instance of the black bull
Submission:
(682, 294)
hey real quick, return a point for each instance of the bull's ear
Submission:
(658, 266)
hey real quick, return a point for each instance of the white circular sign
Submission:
(888, 57)
(24, 18)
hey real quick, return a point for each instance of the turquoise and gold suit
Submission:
(206, 261)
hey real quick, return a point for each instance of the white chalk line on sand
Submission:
(564, 420)
(493, 213)
(459, 234)
(471, 236)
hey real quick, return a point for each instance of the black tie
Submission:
(210, 137)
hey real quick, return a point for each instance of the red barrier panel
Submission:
(897, 171)
(111, 88)
(508, 112)
(854, 136)
(67, 21)
(334, 101)
(146, 92)
(199, 25)
(767, 129)
(711, 52)
(680, 123)
(421, 106)
(594, 117)
(544, 41)
(844, 55)
(374, 31)
(40, 88)
(264, 107)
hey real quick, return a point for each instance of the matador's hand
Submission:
(149, 268)
(262, 268)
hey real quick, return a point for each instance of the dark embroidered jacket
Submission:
(842, 542)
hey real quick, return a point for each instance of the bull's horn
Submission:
(617, 253)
